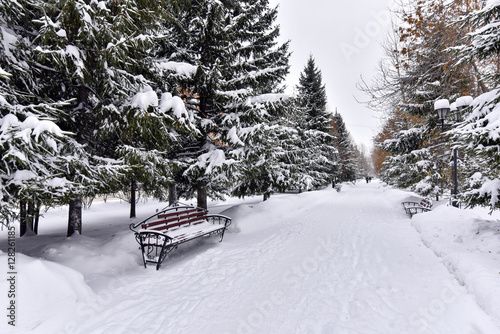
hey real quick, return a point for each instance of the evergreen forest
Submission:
(164, 99)
(440, 55)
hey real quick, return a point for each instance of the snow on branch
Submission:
(145, 98)
(260, 99)
(178, 68)
(485, 116)
(4, 74)
(211, 162)
(175, 103)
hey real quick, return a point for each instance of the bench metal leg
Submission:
(222, 235)
(154, 247)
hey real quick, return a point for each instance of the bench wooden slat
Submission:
(162, 222)
(159, 222)
(172, 224)
(180, 219)
(165, 228)
(194, 215)
(178, 213)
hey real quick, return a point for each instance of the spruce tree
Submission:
(419, 70)
(481, 45)
(98, 54)
(35, 151)
(231, 45)
(346, 164)
(312, 97)
(313, 124)
(477, 138)
(270, 156)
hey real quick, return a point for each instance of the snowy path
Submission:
(325, 262)
(319, 262)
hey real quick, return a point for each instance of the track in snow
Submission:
(317, 262)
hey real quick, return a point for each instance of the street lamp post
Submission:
(457, 116)
(443, 107)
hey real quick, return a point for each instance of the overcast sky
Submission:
(344, 38)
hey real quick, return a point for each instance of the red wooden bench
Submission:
(412, 208)
(164, 231)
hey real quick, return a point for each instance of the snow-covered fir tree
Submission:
(98, 54)
(313, 122)
(481, 45)
(346, 165)
(35, 151)
(268, 159)
(312, 97)
(424, 70)
(478, 136)
(232, 62)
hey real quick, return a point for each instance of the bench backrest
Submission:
(175, 217)
(426, 203)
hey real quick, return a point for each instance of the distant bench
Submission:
(164, 231)
(412, 208)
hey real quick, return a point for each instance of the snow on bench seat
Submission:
(162, 232)
(187, 231)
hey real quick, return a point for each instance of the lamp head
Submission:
(442, 107)
(463, 102)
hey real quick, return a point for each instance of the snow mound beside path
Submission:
(467, 241)
(47, 295)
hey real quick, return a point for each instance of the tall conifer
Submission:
(98, 54)
(232, 47)
(35, 152)
(314, 125)
(478, 136)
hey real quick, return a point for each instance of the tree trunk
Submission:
(133, 187)
(36, 218)
(30, 217)
(202, 194)
(22, 217)
(172, 194)
(75, 216)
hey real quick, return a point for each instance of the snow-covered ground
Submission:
(317, 262)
